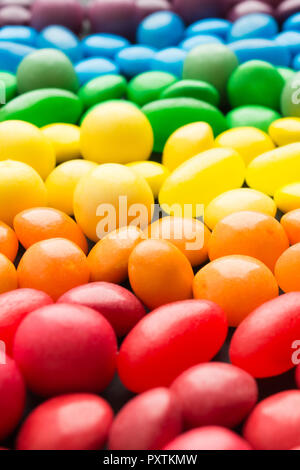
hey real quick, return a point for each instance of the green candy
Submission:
(166, 116)
(212, 63)
(107, 87)
(286, 73)
(255, 82)
(253, 116)
(46, 68)
(8, 87)
(148, 86)
(42, 107)
(192, 89)
(290, 97)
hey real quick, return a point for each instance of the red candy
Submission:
(65, 349)
(209, 438)
(263, 344)
(12, 397)
(69, 422)
(168, 341)
(118, 305)
(215, 394)
(147, 422)
(14, 306)
(274, 424)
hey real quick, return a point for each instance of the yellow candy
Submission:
(249, 142)
(61, 183)
(109, 197)
(274, 169)
(202, 178)
(186, 142)
(66, 140)
(21, 187)
(287, 198)
(116, 132)
(153, 172)
(25, 143)
(236, 200)
(285, 131)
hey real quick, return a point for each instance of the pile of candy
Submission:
(104, 292)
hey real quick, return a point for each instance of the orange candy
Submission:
(189, 235)
(8, 275)
(41, 223)
(108, 260)
(8, 242)
(291, 225)
(53, 266)
(159, 273)
(287, 269)
(249, 233)
(236, 283)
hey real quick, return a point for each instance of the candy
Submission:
(160, 30)
(147, 7)
(215, 26)
(174, 330)
(12, 53)
(286, 73)
(14, 15)
(238, 284)
(154, 173)
(22, 186)
(192, 89)
(255, 25)
(21, 34)
(68, 13)
(65, 139)
(255, 82)
(285, 10)
(275, 422)
(65, 349)
(186, 142)
(246, 7)
(59, 37)
(208, 438)
(291, 40)
(8, 89)
(285, 131)
(252, 116)
(94, 67)
(24, 142)
(271, 170)
(269, 333)
(60, 424)
(249, 142)
(41, 223)
(116, 17)
(8, 242)
(136, 427)
(8, 275)
(103, 88)
(290, 98)
(108, 259)
(103, 45)
(189, 43)
(215, 394)
(12, 397)
(292, 23)
(287, 269)
(291, 225)
(169, 60)
(201, 178)
(287, 197)
(193, 10)
(118, 305)
(134, 60)
(249, 233)
(189, 235)
(53, 266)
(159, 273)
(166, 116)
(236, 200)
(42, 107)
(212, 63)
(261, 49)
(149, 86)
(296, 62)
(62, 181)
(14, 307)
(95, 188)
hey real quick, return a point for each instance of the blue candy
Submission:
(194, 41)
(103, 45)
(261, 49)
(169, 60)
(20, 34)
(11, 54)
(91, 68)
(59, 37)
(291, 40)
(134, 60)
(255, 25)
(296, 62)
(214, 26)
(161, 30)
(292, 23)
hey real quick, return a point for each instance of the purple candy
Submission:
(113, 16)
(194, 10)
(14, 15)
(68, 13)
(21, 3)
(286, 9)
(147, 7)
(247, 7)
